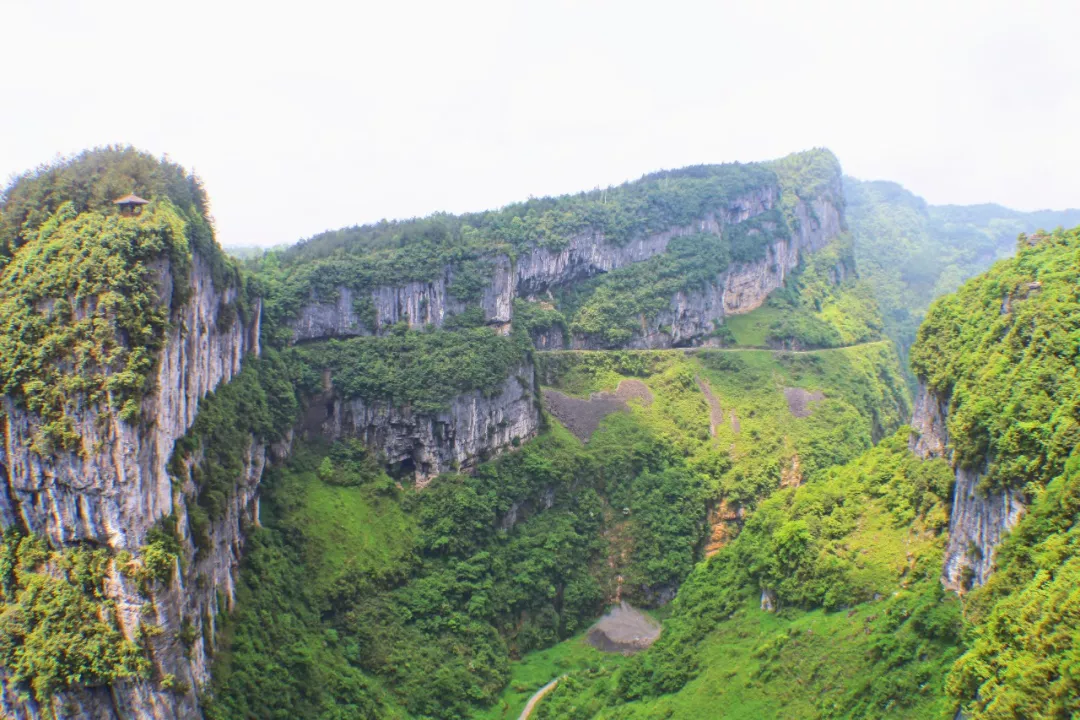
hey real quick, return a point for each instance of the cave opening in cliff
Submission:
(403, 469)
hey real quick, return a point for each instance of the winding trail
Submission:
(716, 413)
(537, 697)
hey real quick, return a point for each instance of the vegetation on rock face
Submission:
(395, 253)
(1025, 621)
(80, 283)
(866, 536)
(405, 592)
(57, 627)
(1004, 351)
(806, 176)
(259, 405)
(423, 370)
(415, 604)
(612, 307)
(736, 476)
(83, 316)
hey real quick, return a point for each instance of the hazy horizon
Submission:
(303, 118)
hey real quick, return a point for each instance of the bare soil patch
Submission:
(624, 629)
(582, 417)
(799, 399)
(735, 422)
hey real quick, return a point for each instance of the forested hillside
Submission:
(400, 470)
(911, 252)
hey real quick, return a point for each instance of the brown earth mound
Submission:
(624, 629)
(582, 417)
(799, 399)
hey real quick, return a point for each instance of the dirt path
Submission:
(716, 413)
(537, 697)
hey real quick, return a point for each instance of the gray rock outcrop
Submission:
(979, 520)
(418, 304)
(115, 485)
(473, 428)
(741, 288)
(589, 253)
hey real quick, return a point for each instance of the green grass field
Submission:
(354, 524)
(752, 329)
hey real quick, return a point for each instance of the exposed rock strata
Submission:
(474, 427)
(416, 303)
(690, 318)
(979, 520)
(115, 486)
(589, 253)
(743, 287)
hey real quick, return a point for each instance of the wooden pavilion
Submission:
(129, 204)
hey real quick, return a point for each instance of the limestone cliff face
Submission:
(589, 253)
(475, 426)
(743, 286)
(532, 274)
(478, 427)
(979, 521)
(113, 488)
(416, 303)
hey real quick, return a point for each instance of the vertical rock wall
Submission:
(416, 303)
(979, 520)
(533, 273)
(113, 488)
(473, 428)
(742, 287)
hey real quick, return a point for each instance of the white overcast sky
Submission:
(303, 116)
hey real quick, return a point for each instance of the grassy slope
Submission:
(860, 383)
(864, 390)
(886, 656)
(538, 668)
(752, 329)
(277, 660)
(353, 525)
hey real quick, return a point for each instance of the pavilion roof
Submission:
(132, 199)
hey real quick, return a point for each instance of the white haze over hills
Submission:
(314, 115)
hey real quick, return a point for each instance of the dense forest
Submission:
(700, 393)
